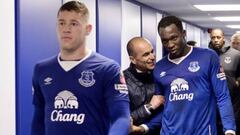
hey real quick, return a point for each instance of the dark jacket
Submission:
(230, 60)
(141, 89)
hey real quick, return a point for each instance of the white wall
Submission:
(159, 46)
(197, 36)
(131, 27)
(7, 70)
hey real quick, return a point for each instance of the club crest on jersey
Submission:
(193, 66)
(87, 79)
(227, 60)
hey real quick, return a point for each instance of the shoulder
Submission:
(104, 62)
(162, 61)
(127, 73)
(103, 59)
(205, 52)
(234, 52)
(46, 62)
(129, 77)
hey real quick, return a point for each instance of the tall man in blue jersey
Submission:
(193, 84)
(78, 92)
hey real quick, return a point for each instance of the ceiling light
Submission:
(221, 7)
(238, 32)
(228, 19)
(234, 26)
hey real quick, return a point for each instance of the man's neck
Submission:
(73, 56)
(138, 70)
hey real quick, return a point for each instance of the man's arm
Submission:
(38, 125)
(117, 100)
(146, 110)
(120, 116)
(238, 72)
(150, 125)
(221, 91)
(156, 101)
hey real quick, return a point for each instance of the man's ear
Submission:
(88, 29)
(132, 59)
(184, 33)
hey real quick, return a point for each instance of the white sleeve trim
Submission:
(147, 110)
(146, 129)
(230, 131)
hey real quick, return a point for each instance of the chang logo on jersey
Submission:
(180, 90)
(66, 100)
(87, 79)
(193, 66)
(227, 60)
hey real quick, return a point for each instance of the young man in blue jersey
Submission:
(193, 84)
(78, 92)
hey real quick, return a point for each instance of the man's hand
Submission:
(237, 83)
(135, 130)
(229, 134)
(156, 101)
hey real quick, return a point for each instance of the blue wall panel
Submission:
(109, 29)
(36, 40)
(149, 25)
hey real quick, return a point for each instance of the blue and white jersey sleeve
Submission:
(117, 99)
(220, 88)
(38, 126)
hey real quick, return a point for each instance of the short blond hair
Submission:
(76, 6)
(235, 36)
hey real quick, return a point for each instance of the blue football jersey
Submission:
(79, 101)
(193, 88)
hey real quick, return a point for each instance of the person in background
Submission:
(144, 105)
(235, 41)
(192, 43)
(78, 92)
(193, 84)
(230, 60)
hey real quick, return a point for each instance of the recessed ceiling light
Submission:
(221, 7)
(228, 19)
(234, 26)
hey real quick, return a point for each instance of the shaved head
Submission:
(135, 41)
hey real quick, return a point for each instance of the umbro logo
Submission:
(48, 81)
(162, 74)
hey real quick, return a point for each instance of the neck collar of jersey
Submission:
(180, 59)
(68, 65)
